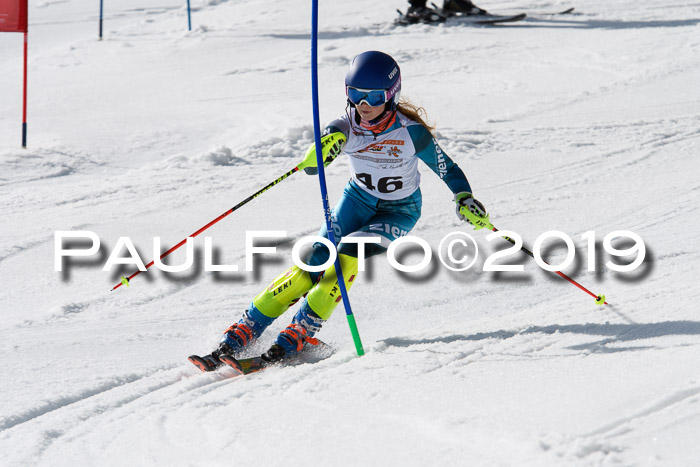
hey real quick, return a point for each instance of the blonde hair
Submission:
(415, 113)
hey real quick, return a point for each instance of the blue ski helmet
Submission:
(374, 71)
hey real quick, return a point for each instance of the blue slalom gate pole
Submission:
(101, 1)
(322, 176)
(189, 17)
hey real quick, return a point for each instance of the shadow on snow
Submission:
(616, 333)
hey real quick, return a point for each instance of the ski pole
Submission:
(125, 280)
(322, 177)
(480, 223)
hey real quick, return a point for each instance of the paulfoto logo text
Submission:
(457, 251)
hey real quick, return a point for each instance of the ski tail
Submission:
(201, 363)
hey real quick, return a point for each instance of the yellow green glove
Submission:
(332, 145)
(472, 211)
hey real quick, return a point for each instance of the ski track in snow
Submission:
(576, 123)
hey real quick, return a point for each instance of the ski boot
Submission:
(422, 14)
(235, 339)
(294, 337)
(462, 7)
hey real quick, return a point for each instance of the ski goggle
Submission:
(373, 97)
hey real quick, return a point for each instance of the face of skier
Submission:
(368, 112)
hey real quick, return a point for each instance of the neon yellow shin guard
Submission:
(283, 292)
(325, 296)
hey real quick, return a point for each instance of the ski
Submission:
(440, 16)
(491, 19)
(248, 365)
(548, 14)
(203, 363)
(482, 17)
(311, 353)
(245, 366)
(564, 12)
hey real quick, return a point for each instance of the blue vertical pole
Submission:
(101, 1)
(189, 17)
(322, 176)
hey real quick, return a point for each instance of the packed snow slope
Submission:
(577, 123)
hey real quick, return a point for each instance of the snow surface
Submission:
(587, 122)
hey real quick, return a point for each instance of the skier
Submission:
(384, 138)
(418, 12)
